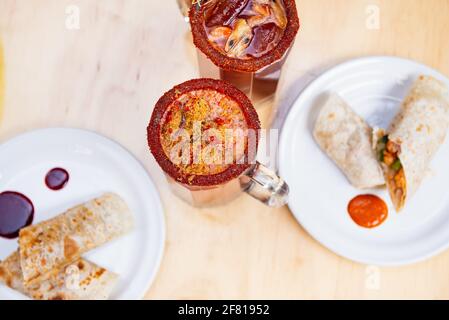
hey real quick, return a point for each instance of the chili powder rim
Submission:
(154, 128)
(200, 39)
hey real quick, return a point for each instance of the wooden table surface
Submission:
(107, 75)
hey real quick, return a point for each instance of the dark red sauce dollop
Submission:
(16, 212)
(57, 178)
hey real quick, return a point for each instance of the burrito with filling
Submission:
(414, 137)
(47, 247)
(81, 280)
(348, 141)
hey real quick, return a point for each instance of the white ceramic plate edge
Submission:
(284, 144)
(150, 277)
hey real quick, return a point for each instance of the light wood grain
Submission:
(2, 81)
(107, 76)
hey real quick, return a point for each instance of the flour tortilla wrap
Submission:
(81, 280)
(419, 129)
(48, 246)
(348, 141)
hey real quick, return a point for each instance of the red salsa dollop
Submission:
(368, 211)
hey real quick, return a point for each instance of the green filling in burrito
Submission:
(388, 153)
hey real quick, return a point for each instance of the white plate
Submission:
(374, 87)
(96, 165)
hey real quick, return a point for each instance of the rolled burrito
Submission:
(48, 246)
(81, 280)
(348, 140)
(414, 137)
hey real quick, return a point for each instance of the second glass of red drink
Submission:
(245, 42)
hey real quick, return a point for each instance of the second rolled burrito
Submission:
(414, 137)
(82, 280)
(50, 245)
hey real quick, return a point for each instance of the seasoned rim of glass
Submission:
(154, 129)
(201, 41)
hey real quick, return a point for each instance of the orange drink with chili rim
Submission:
(215, 115)
(204, 135)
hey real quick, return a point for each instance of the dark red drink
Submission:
(245, 41)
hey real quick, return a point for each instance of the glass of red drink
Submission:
(245, 42)
(204, 134)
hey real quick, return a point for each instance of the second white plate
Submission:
(374, 87)
(96, 165)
